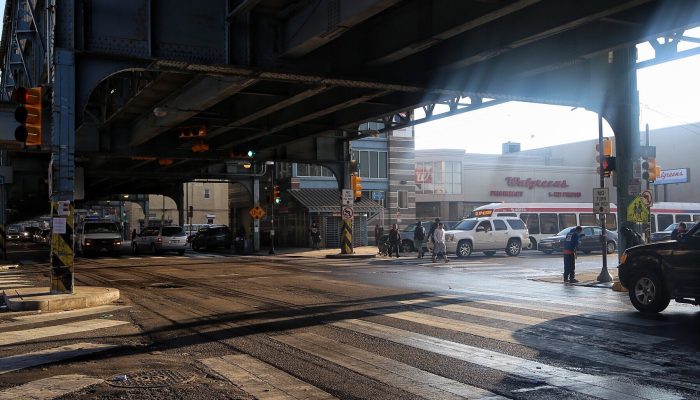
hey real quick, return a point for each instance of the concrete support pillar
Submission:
(621, 110)
(61, 171)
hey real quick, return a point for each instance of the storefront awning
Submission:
(328, 201)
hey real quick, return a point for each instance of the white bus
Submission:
(547, 219)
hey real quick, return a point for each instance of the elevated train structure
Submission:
(143, 95)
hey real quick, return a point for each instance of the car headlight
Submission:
(449, 238)
(117, 242)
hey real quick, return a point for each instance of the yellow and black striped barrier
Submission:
(346, 238)
(62, 247)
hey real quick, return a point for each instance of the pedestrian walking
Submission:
(394, 240)
(571, 243)
(439, 248)
(681, 228)
(418, 238)
(315, 234)
(378, 233)
(133, 235)
(430, 234)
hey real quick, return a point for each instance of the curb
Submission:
(358, 256)
(40, 298)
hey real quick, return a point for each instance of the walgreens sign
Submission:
(535, 183)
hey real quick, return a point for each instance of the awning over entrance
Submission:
(328, 201)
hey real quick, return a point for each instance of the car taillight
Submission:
(159, 239)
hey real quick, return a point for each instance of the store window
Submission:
(313, 170)
(403, 198)
(373, 164)
(440, 177)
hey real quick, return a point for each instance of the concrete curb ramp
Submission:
(40, 298)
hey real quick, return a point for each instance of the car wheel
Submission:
(407, 246)
(464, 248)
(533, 244)
(648, 293)
(490, 253)
(513, 247)
(611, 247)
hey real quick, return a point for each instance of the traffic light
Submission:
(650, 170)
(28, 114)
(276, 197)
(608, 159)
(357, 187)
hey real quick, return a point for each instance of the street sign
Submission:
(377, 195)
(347, 212)
(637, 211)
(647, 151)
(256, 212)
(601, 200)
(647, 198)
(347, 197)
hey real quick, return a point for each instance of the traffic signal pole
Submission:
(604, 275)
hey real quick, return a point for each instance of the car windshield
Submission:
(466, 225)
(100, 227)
(564, 231)
(410, 228)
(173, 231)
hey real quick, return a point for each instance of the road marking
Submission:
(35, 318)
(262, 380)
(587, 384)
(385, 370)
(610, 334)
(537, 340)
(49, 388)
(21, 361)
(12, 337)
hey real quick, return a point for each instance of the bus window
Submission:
(682, 218)
(567, 220)
(504, 214)
(532, 221)
(664, 220)
(588, 219)
(611, 222)
(549, 224)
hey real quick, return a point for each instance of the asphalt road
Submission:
(220, 326)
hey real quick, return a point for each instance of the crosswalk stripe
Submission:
(263, 380)
(609, 334)
(385, 370)
(27, 360)
(530, 339)
(12, 337)
(49, 388)
(54, 316)
(590, 385)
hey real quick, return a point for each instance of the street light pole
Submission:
(604, 275)
(272, 210)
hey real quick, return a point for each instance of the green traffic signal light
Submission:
(251, 153)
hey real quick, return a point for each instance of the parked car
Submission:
(28, 233)
(43, 236)
(160, 239)
(657, 272)
(489, 235)
(590, 240)
(407, 244)
(98, 236)
(666, 233)
(212, 236)
(12, 233)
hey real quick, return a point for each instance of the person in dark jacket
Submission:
(378, 233)
(430, 233)
(570, 245)
(418, 238)
(394, 240)
(681, 228)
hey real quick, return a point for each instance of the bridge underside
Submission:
(293, 80)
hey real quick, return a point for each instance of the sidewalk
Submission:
(306, 252)
(584, 279)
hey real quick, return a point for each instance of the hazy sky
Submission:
(668, 95)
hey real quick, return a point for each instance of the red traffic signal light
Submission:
(29, 115)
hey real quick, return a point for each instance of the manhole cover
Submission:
(165, 285)
(150, 379)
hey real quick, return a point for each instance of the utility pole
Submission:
(604, 275)
(272, 211)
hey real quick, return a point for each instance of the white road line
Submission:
(385, 370)
(36, 318)
(610, 334)
(262, 380)
(534, 340)
(12, 337)
(28, 360)
(587, 384)
(49, 388)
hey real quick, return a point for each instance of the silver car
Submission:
(159, 239)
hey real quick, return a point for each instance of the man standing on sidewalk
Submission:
(570, 244)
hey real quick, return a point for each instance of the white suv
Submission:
(488, 235)
(98, 237)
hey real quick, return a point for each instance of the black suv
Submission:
(658, 272)
(213, 236)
